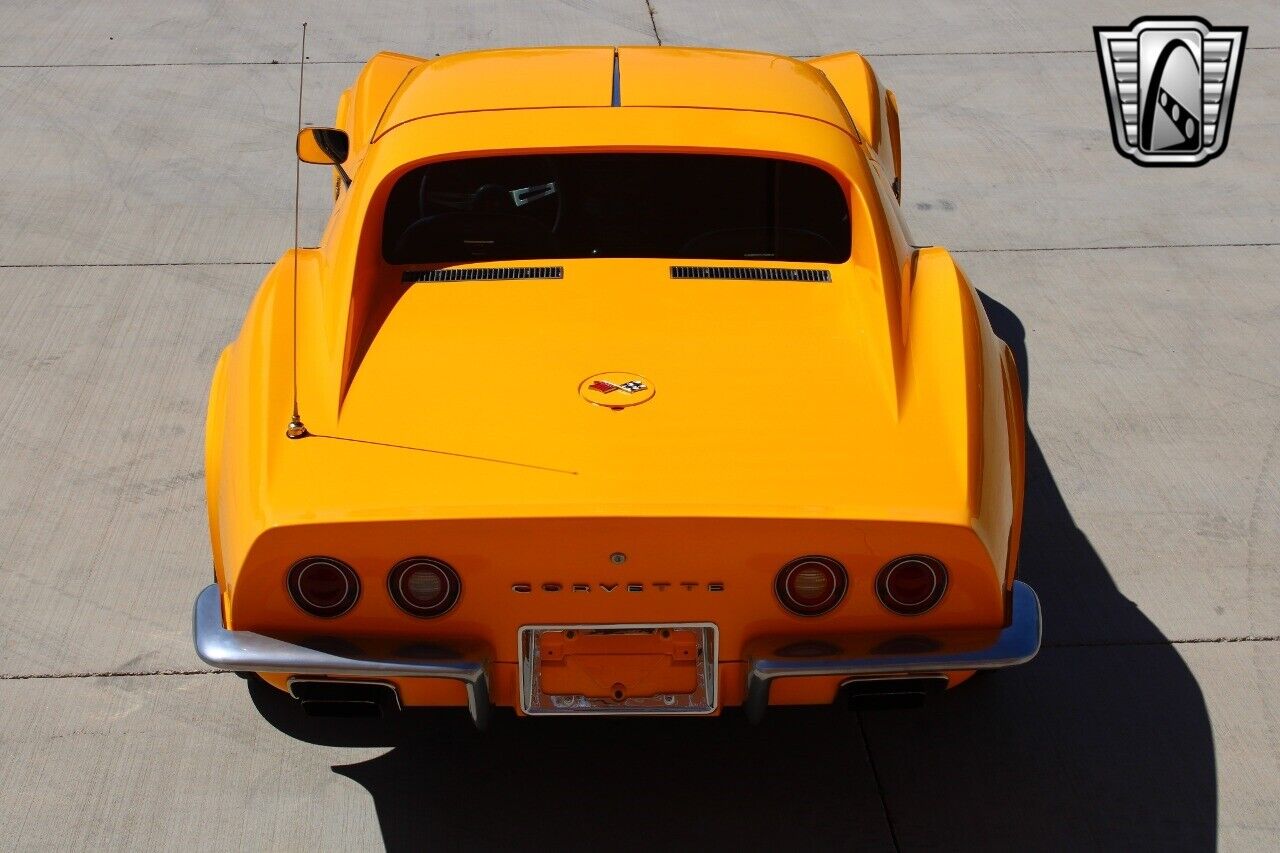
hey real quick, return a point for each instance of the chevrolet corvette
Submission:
(614, 386)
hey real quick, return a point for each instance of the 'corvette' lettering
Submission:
(652, 586)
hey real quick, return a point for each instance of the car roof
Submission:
(559, 77)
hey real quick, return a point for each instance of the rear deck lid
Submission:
(505, 80)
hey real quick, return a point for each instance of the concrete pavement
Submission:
(149, 185)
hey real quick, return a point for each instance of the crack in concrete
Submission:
(1084, 644)
(140, 264)
(1189, 641)
(875, 774)
(653, 22)
(1115, 248)
(140, 674)
(209, 63)
(995, 250)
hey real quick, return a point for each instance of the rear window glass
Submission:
(616, 206)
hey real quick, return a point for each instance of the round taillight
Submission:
(911, 585)
(811, 586)
(423, 586)
(323, 586)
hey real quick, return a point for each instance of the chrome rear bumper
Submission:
(857, 655)
(247, 651)
(849, 656)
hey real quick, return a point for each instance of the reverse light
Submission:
(323, 586)
(911, 585)
(423, 586)
(811, 586)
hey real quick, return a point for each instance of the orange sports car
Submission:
(615, 386)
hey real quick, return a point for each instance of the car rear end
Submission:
(622, 615)
(653, 411)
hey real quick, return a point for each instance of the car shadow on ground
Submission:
(1102, 742)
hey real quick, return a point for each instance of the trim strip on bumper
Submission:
(247, 651)
(1015, 644)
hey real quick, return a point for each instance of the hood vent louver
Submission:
(481, 274)
(752, 273)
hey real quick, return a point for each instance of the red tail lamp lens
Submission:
(811, 586)
(424, 587)
(911, 585)
(323, 586)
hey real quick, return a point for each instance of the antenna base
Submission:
(297, 429)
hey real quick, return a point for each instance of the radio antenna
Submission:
(297, 429)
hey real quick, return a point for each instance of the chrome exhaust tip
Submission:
(336, 698)
(889, 692)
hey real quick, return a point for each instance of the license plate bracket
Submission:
(619, 669)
